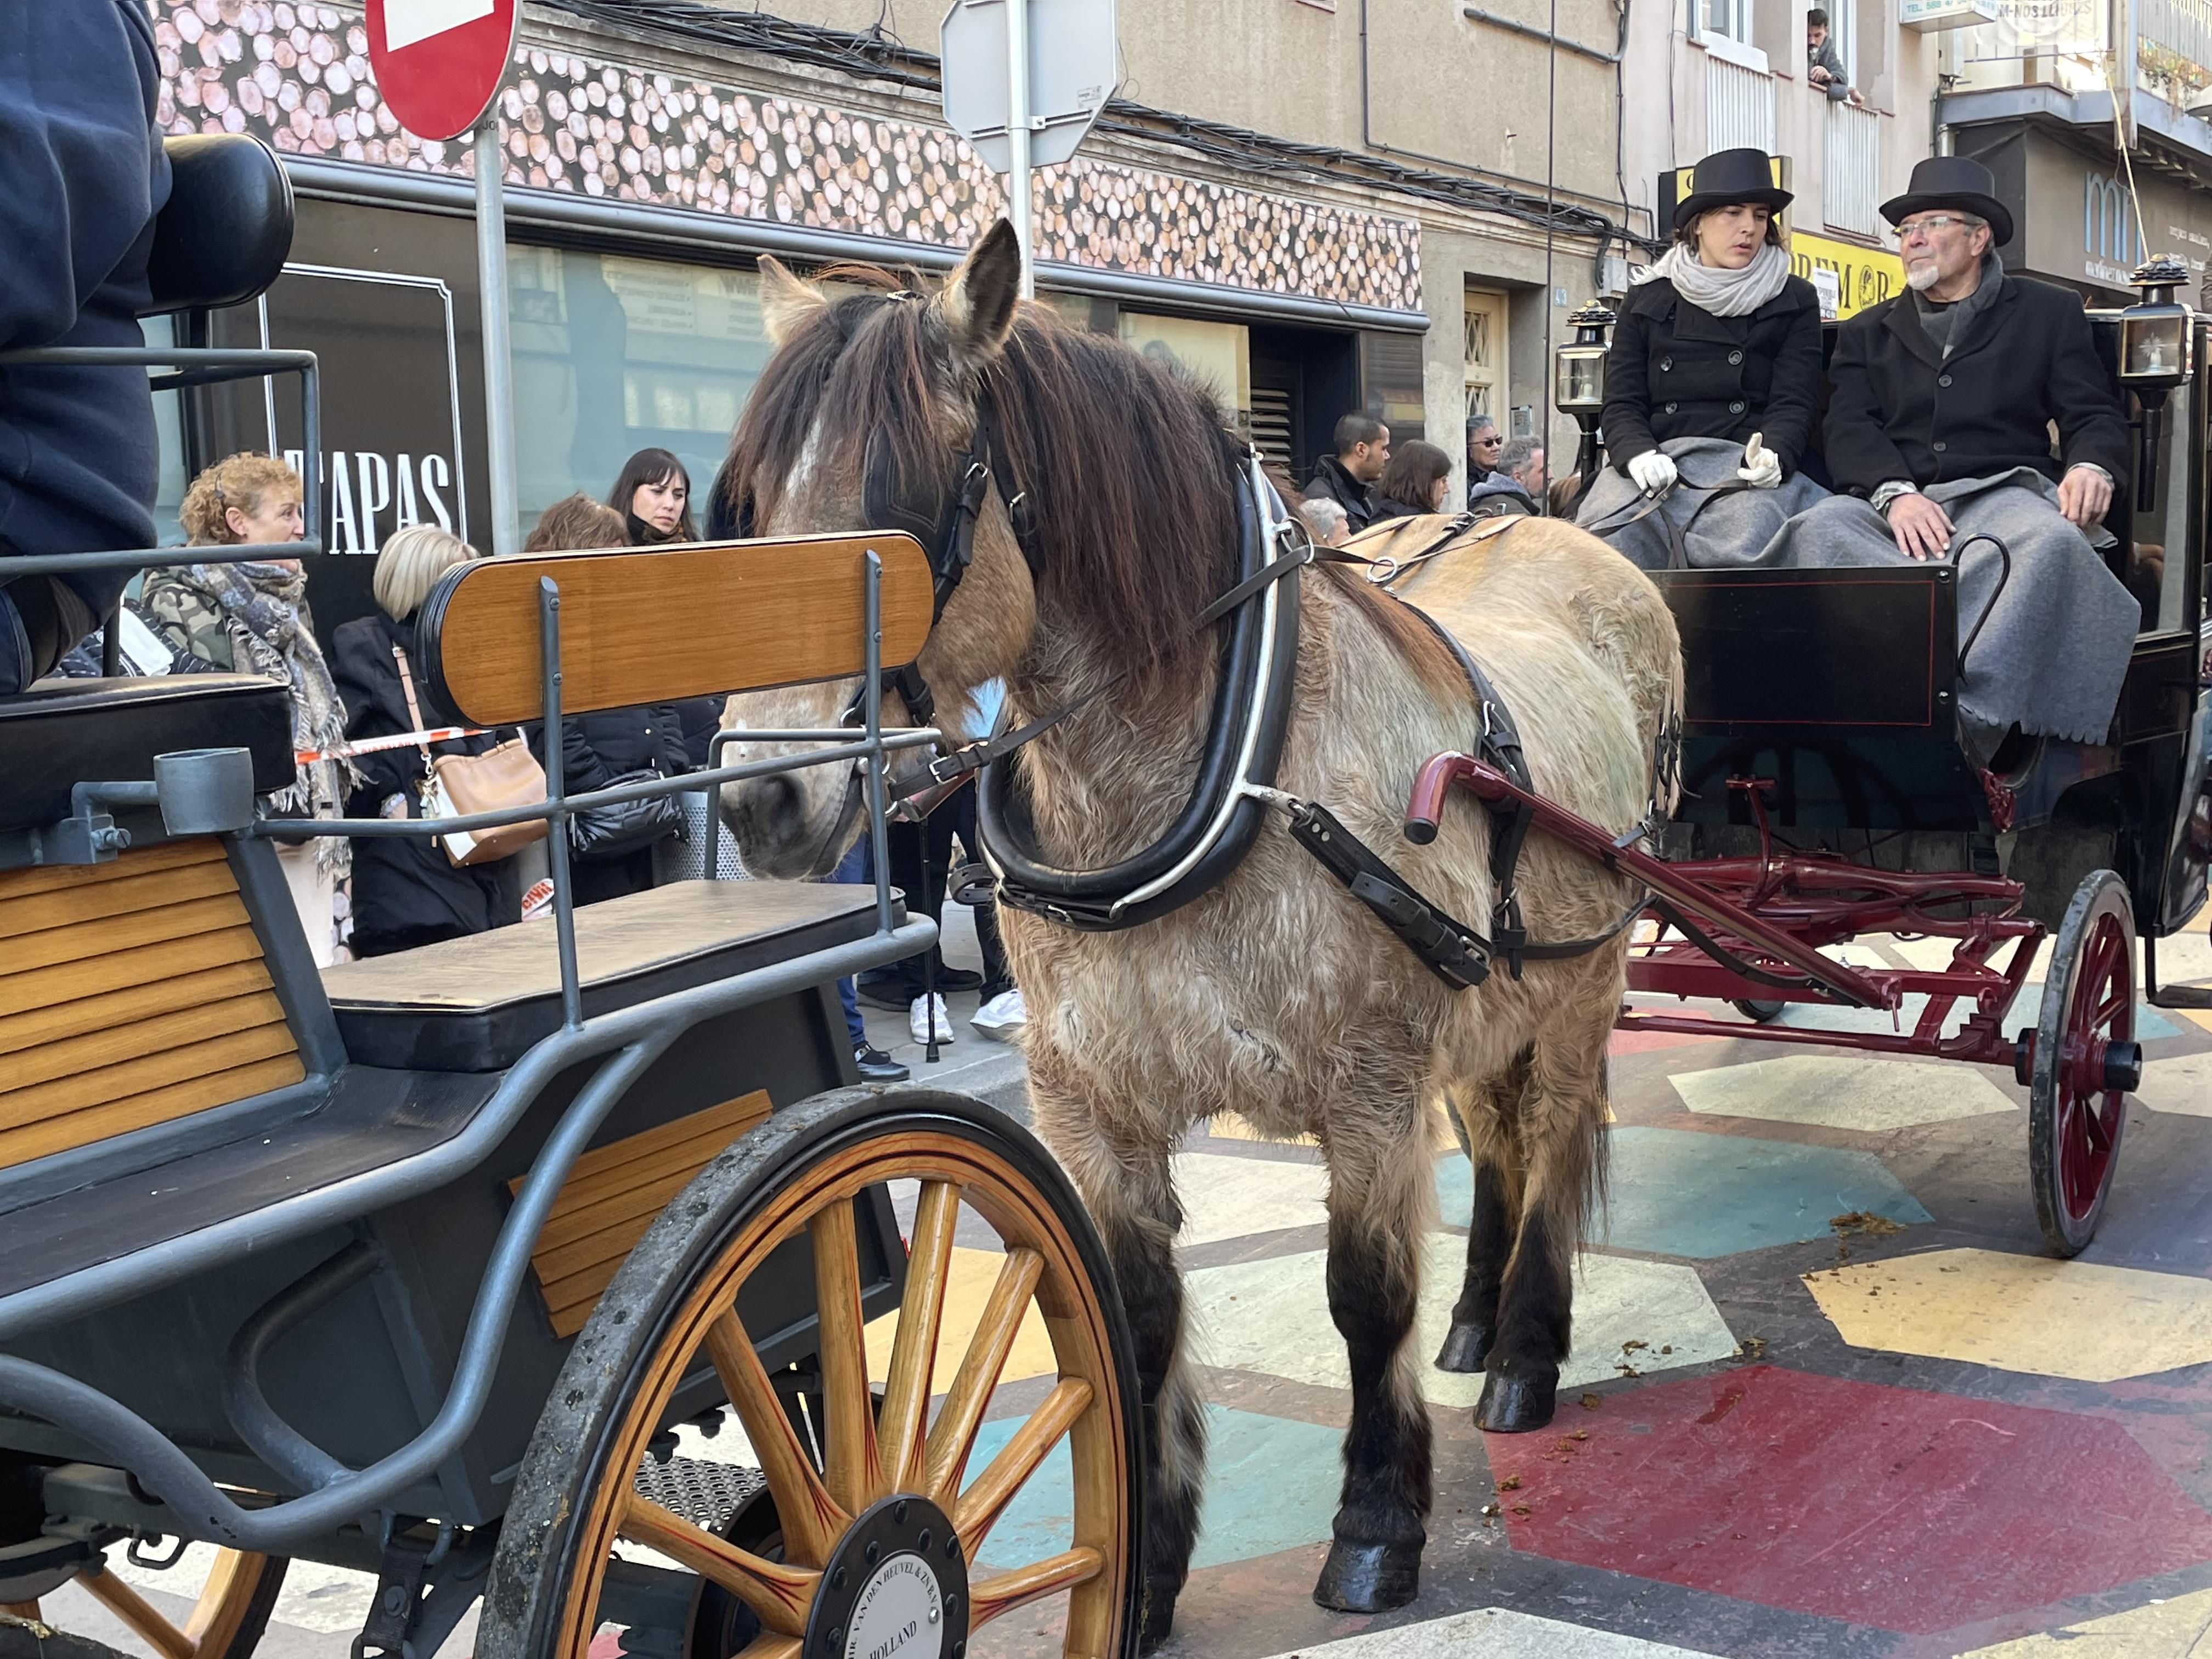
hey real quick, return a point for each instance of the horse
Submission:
(1108, 523)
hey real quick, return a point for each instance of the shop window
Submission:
(1215, 355)
(615, 355)
(2108, 225)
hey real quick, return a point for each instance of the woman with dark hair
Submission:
(1414, 483)
(654, 495)
(1711, 380)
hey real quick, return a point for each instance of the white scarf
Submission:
(1721, 292)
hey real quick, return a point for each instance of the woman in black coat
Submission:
(407, 892)
(1718, 345)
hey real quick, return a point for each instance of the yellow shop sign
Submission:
(1849, 278)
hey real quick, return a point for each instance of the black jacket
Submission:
(404, 886)
(610, 742)
(1356, 499)
(1898, 409)
(86, 174)
(1677, 371)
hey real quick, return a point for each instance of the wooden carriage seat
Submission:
(640, 626)
(62, 733)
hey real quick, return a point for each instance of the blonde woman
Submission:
(407, 892)
(250, 616)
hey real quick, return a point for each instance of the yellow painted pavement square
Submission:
(2178, 1083)
(2177, 1629)
(2020, 1313)
(968, 1285)
(1842, 1092)
(1229, 1197)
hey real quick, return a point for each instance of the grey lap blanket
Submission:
(2052, 653)
(1731, 528)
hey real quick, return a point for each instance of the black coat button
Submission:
(1670, 409)
(1735, 357)
(1943, 380)
(1665, 364)
(1940, 446)
(1736, 407)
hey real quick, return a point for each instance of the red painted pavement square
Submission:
(1638, 1042)
(1892, 1507)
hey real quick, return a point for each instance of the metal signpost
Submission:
(440, 66)
(1023, 82)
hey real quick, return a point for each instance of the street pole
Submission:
(498, 363)
(1017, 136)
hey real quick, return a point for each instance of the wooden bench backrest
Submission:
(645, 625)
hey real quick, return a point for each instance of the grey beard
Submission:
(1921, 278)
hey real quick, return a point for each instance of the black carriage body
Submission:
(1839, 686)
(364, 1373)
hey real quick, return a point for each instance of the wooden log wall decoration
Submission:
(298, 76)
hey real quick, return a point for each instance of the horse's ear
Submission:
(978, 303)
(787, 303)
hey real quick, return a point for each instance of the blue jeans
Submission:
(853, 871)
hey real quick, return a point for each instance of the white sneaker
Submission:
(1003, 1018)
(917, 1019)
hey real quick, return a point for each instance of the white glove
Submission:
(1653, 472)
(1761, 468)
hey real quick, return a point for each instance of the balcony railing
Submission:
(2173, 49)
(1739, 106)
(1851, 184)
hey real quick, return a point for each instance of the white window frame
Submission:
(1724, 20)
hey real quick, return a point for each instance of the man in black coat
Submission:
(1347, 477)
(1960, 376)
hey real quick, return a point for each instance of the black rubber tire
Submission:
(1761, 1012)
(527, 1587)
(2067, 1224)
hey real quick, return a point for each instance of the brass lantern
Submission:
(1578, 382)
(2157, 336)
(1578, 379)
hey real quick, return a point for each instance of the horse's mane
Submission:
(1126, 466)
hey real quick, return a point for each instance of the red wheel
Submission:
(2083, 1062)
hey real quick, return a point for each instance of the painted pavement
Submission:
(1907, 1432)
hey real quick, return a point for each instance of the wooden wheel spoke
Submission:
(1000, 1594)
(2111, 1009)
(983, 1503)
(902, 1432)
(851, 1461)
(780, 1595)
(768, 1646)
(954, 1434)
(134, 1610)
(812, 1519)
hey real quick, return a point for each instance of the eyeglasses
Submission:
(1929, 226)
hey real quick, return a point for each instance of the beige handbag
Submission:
(456, 785)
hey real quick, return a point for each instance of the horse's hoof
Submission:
(1515, 1405)
(1466, 1346)
(1369, 1577)
(1158, 1616)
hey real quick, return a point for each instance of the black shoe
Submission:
(957, 979)
(877, 1066)
(890, 991)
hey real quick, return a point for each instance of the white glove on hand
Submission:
(1761, 468)
(1654, 473)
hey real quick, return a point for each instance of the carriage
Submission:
(1825, 796)
(563, 1268)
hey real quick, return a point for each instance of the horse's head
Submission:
(871, 400)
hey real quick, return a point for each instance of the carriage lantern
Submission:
(1578, 379)
(2156, 335)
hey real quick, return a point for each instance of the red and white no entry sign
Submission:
(439, 63)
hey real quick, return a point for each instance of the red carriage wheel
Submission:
(2080, 1062)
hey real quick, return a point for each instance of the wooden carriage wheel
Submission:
(880, 1532)
(2082, 1063)
(225, 1621)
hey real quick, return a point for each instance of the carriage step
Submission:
(705, 1494)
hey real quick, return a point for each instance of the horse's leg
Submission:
(1562, 1128)
(1129, 1189)
(1381, 1200)
(1488, 1111)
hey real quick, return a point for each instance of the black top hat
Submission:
(1727, 177)
(1954, 181)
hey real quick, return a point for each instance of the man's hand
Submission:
(1922, 528)
(1818, 76)
(2083, 495)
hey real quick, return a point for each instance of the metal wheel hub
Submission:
(896, 1587)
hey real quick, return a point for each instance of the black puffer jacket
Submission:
(670, 737)
(1677, 371)
(405, 892)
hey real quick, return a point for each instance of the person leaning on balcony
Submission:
(1824, 64)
